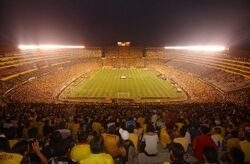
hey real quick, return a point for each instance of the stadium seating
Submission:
(226, 73)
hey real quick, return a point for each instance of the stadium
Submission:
(124, 82)
(126, 78)
(123, 74)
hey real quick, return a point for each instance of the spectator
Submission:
(233, 142)
(165, 139)
(138, 130)
(55, 140)
(127, 149)
(11, 135)
(182, 139)
(179, 123)
(218, 125)
(16, 156)
(130, 122)
(154, 118)
(33, 133)
(133, 137)
(39, 125)
(202, 141)
(61, 152)
(187, 135)
(111, 141)
(96, 126)
(24, 147)
(151, 139)
(75, 128)
(97, 155)
(26, 129)
(141, 120)
(82, 149)
(245, 145)
(177, 154)
(217, 138)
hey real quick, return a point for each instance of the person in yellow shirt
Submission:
(96, 126)
(245, 145)
(181, 139)
(81, 150)
(218, 125)
(12, 142)
(164, 138)
(134, 138)
(10, 158)
(39, 125)
(100, 158)
(144, 126)
(233, 142)
(26, 129)
(141, 120)
(179, 125)
(75, 128)
(217, 138)
(97, 156)
(111, 142)
(5, 156)
(138, 130)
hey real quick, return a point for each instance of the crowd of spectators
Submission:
(198, 90)
(124, 62)
(240, 97)
(224, 80)
(198, 70)
(45, 88)
(110, 133)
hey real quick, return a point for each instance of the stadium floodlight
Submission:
(198, 48)
(123, 44)
(47, 46)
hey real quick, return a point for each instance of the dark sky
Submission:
(143, 22)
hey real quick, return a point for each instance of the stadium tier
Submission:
(46, 75)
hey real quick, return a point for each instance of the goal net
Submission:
(123, 95)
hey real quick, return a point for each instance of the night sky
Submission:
(143, 22)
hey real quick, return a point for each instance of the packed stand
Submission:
(211, 133)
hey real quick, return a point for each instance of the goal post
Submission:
(123, 95)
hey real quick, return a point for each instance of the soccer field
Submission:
(137, 84)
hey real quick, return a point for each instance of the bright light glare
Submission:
(198, 48)
(29, 47)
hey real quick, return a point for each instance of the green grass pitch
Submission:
(139, 83)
